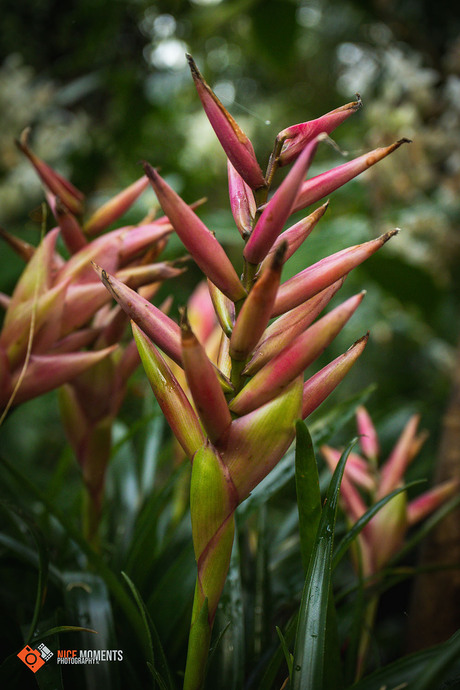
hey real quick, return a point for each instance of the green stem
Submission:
(198, 643)
(235, 376)
(273, 161)
(249, 272)
(93, 458)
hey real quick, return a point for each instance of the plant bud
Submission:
(204, 385)
(256, 310)
(170, 396)
(109, 212)
(296, 137)
(233, 140)
(319, 386)
(322, 185)
(315, 278)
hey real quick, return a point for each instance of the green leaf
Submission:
(156, 676)
(411, 670)
(309, 651)
(147, 540)
(262, 599)
(145, 616)
(122, 490)
(60, 629)
(286, 652)
(429, 677)
(43, 563)
(28, 555)
(112, 581)
(161, 669)
(172, 592)
(353, 532)
(271, 672)
(87, 601)
(308, 491)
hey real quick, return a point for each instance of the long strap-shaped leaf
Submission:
(424, 670)
(308, 491)
(309, 652)
(43, 563)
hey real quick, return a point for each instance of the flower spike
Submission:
(287, 327)
(46, 372)
(407, 447)
(21, 247)
(71, 231)
(297, 234)
(364, 483)
(368, 435)
(256, 441)
(427, 503)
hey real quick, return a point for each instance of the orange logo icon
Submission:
(35, 658)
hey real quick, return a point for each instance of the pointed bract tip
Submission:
(278, 256)
(397, 144)
(196, 74)
(103, 275)
(184, 323)
(388, 235)
(149, 170)
(23, 141)
(360, 341)
(97, 268)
